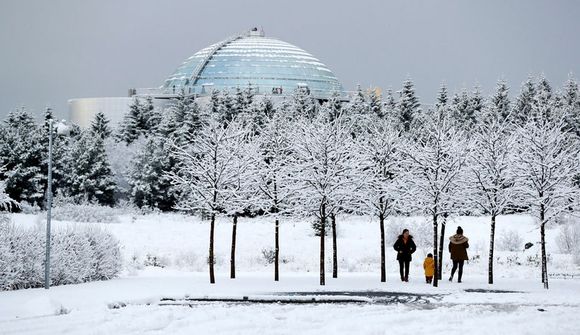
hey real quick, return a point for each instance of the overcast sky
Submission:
(51, 51)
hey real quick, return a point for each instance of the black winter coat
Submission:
(404, 250)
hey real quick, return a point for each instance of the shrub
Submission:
(78, 254)
(510, 241)
(568, 239)
(84, 213)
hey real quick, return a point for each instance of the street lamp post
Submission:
(61, 128)
(48, 205)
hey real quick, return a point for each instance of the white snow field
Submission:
(132, 304)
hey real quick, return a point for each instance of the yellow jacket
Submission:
(429, 266)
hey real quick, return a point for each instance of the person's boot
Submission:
(451, 278)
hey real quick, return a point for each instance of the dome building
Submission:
(267, 65)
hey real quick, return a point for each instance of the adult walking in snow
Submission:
(405, 247)
(458, 245)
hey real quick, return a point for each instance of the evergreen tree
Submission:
(21, 155)
(133, 123)
(100, 126)
(524, 101)
(500, 101)
(408, 106)
(302, 104)
(150, 185)
(442, 96)
(334, 106)
(571, 106)
(461, 110)
(543, 102)
(358, 104)
(376, 104)
(91, 178)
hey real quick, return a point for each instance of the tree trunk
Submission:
(233, 255)
(322, 233)
(277, 251)
(334, 249)
(441, 244)
(491, 248)
(211, 233)
(543, 243)
(435, 281)
(383, 255)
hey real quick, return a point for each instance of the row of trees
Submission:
(240, 155)
(399, 160)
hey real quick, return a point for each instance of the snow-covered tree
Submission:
(205, 171)
(523, 104)
(380, 170)
(323, 170)
(147, 176)
(546, 162)
(241, 193)
(91, 178)
(408, 106)
(100, 126)
(500, 100)
(571, 105)
(376, 104)
(462, 111)
(22, 146)
(6, 203)
(302, 104)
(271, 166)
(434, 160)
(491, 167)
(142, 119)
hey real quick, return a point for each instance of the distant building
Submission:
(267, 65)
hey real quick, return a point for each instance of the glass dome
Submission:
(268, 65)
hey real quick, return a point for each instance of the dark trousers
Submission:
(457, 264)
(429, 279)
(404, 269)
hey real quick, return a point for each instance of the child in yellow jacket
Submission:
(429, 266)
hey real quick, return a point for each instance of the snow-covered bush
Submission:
(510, 240)
(84, 213)
(568, 240)
(79, 254)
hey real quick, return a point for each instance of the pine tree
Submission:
(22, 145)
(543, 102)
(91, 178)
(462, 111)
(100, 126)
(131, 127)
(303, 105)
(408, 106)
(500, 101)
(148, 176)
(376, 104)
(524, 101)
(571, 105)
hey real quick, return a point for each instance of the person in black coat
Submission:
(405, 247)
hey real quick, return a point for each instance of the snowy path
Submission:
(449, 308)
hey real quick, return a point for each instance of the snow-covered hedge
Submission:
(78, 254)
(85, 213)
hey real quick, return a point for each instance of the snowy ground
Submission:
(180, 243)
